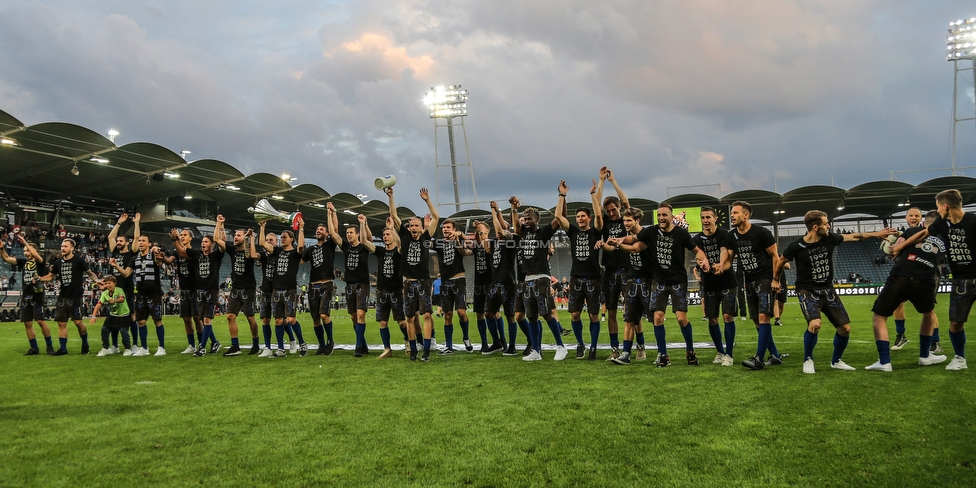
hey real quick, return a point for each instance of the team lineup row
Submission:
(614, 256)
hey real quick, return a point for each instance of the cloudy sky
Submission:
(730, 94)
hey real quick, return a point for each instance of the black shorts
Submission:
(206, 303)
(613, 286)
(537, 297)
(677, 292)
(759, 299)
(388, 302)
(637, 301)
(149, 305)
(188, 304)
(416, 297)
(130, 298)
(264, 305)
(725, 298)
(320, 297)
(32, 307)
(481, 297)
(241, 303)
(501, 296)
(357, 297)
(781, 295)
(519, 301)
(961, 299)
(67, 308)
(584, 289)
(454, 294)
(283, 303)
(813, 303)
(899, 289)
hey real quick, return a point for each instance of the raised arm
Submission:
(624, 203)
(115, 231)
(300, 245)
(7, 258)
(334, 228)
(394, 234)
(219, 237)
(252, 251)
(864, 235)
(264, 242)
(499, 223)
(363, 231)
(597, 208)
(435, 218)
(515, 203)
(393, 210)
(560, 204)
(136, 232)
(180, 249)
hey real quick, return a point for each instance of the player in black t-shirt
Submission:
(123, 251)
(617, 262)
(504, 275)
(914, 278)
(146, 275)
(389, 293)
(451, 250)
(488, 324)
(32, 294)
(185, 269)
(814, 257)
(207, 280)
(287, 259)
(356, 250)
(415, 241)
(321, 287)
(71, 270)
(718, 290)
(243, 287)
(584, 238)
(913, 217)
(637, 292)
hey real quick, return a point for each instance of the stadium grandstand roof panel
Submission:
(9, 123)
(693, 200)
(878, 198)
(923, 194)
(644, 204)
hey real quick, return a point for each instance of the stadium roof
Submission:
(60, 165)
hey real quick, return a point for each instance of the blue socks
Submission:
(63, 341)
(686, 332)
(449, 336)
(639, 336)
(160, 335)
(47, 340)
(594, 333)
(297, 328)
(288, 330)
(628, 345)
(935, 335)
(659, 336)
(958, 342)
(266, 331)
(84, 339)
(280, 336)
(557, 331)
(235, 342)
(144, 337)
(483, 331)
(924, 344)
(319, 334)
(884, 351)
(360, 330)
(765, 336)
(207, 334)
(328, 330)
(840, 344)
(809, 342)
(577, 326)
(716, 333)
(614, 340)
(465, 329)
(385, 336)
(33, 343)
(189, 339)
(899, 327)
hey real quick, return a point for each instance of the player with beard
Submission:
(415, 242)
(667, 244)
(451, 250)
(915, 278)
(71, 269)
(243, 287)
(186, 271)
(149, 292)
(616, 262)
(637, 294)
(207, 280)
(718, 288)
(814, 257)
(389, 293)
(914, 220)
(501, 295)
(755, 247)
(268, 269)
(585, 273)
(32, 293)
(285, 284)
(356, 249)
(533, 251)
(123, 252)
(321, 287)
(487, 324)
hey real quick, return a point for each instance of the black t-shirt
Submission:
(415, 255)
(268, 270)
(241, 269)
(961, 243)
(449, 256)
(921, 261)
(72, 275)
(357, 262)
(125, 260)
(482, 266)
(534, 250)
(614, 228)
(186, 269)
(208, 268)
(504, 255)
(388, 277)
(667, 249)
(145, 274)
(586, 258)
(814, 261)
(322, 259)
(641, 265)
(286, 268)
(30, 270)
(750, 248)
(712, 247)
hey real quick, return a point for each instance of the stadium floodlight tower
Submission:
(961, 45)
(445, 104)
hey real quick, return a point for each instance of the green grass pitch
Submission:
(485, 421)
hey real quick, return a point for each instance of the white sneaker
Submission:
(140, 352)
(293, 347)
(877, 366)
(930, 360)
(808, 367)
(727, 360)
(958, 363)
(114, 350)
(160, 352)
(560, 353)
(104, 352)
(841, 365)
(433, 344)
(190, 349)
(533, 356)
(127, 352)
(719, 358)
(266, 353)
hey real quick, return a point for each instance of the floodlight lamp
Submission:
(8, 142)
(188, 197)
(277, 197)
(171, 175)
(183, 154)
(111, 134)
(840, 207)
(74, 170)
(98, 159)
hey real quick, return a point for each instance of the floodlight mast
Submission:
(960, 45)
(448, 103)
